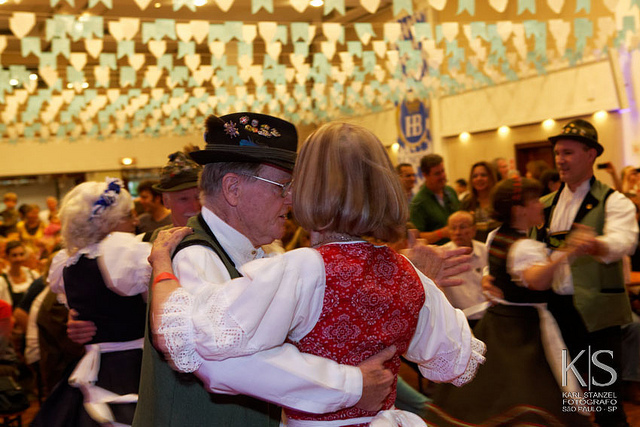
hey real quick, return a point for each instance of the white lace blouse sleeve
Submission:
(524, 254)
(276, 298)
(443, 345)
(123, 263)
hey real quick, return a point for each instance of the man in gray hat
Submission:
(245, 192)
(590, 302)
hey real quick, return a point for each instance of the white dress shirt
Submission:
(469, 293)
(282, 374)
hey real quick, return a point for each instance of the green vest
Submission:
(169, 399)
(600, 295)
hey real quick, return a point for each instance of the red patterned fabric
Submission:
(372, 300)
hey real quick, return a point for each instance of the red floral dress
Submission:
(372, 300)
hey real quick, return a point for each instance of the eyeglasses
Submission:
(286, 188)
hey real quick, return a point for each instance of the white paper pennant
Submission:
(328, 49)
(93, 47)
(556, 5)
(49, 75)
(380, 48)
(267, 30)
(274, 49)
(157, 47)
(199, 30)
(450, 30)
(68, 95)
(611, 5)
(142, 4)
(152, 75)
(438, 4)
(245, 61)
(21, 23)
(332, 31)
(192, 62)
(112, 95)
(224, 5)
(370, 6)
(217, 49)
(130, 27)
(157, 94)
(392, 31)
(499, 5)
(504, 29)
(3, 43)
(137, 61)
(249, 33)
(183, 31)
(78, 60)
(299, 5)
(116, 30)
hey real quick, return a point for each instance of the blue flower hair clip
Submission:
(107, 198)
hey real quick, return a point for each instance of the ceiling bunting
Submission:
(331, 5)
(364, 31)
(189, 4)
(611, 5)
(560, 31)
(334, 32)
(125, 48)
(403, 5)
(30, 45)
(256, 5)
(438, 4)
(299, 5)
(93, 47)
(582, 30)
(555, 5)
(267, 30)
(61, 47)
(3, 43)
(78, 60)
(183, 31)
(392, 32)
(529, 5)
(584, 5)
(107, 3)
(142, 4)
(21, 23)
(102, 76)
(466, 5)
(370, 6)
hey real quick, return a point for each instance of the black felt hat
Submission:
(249, 137)
(582, 131)
(180, 173)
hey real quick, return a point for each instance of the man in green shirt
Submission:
(435, 201)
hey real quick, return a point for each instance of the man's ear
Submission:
(231, 187)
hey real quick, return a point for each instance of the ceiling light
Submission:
(85, 85)
(33, 76)
(199, 2)
(548, 124)
(316, 3)
(503, 130)
(127, 161)
(464, 136)
(69, 85)
(13, 82)
(157, 5)
(600, 115)
(395, 147)
(3, 1)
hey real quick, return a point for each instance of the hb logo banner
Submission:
(413, 126)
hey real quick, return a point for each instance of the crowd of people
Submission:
(253, 277)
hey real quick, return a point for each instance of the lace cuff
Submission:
(478, 349)
(178, 332)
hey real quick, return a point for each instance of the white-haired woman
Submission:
(344, 299)
(99, 275)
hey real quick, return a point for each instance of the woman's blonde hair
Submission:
(80, 225)
(344, 182)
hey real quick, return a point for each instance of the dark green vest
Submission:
(599, 292)
(170, 399)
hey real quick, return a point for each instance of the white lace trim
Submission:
(92, 252)
(221, 335)
(478, 350)
(440, 368)
(178, 333)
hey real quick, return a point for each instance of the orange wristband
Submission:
(163, 276)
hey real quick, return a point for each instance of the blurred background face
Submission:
(146, 200)
(407, 177)
(183, 204)
(17, 256)
(461, 229)
(503, 168)
(31, 217)
(10, 203)
(480, 178)
(436, 179)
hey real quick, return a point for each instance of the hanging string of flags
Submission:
(302, 71)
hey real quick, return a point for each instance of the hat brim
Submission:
(275, 156)
(179, 187)
(586, 141)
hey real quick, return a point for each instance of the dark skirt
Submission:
(119, 373)
(515, 385)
